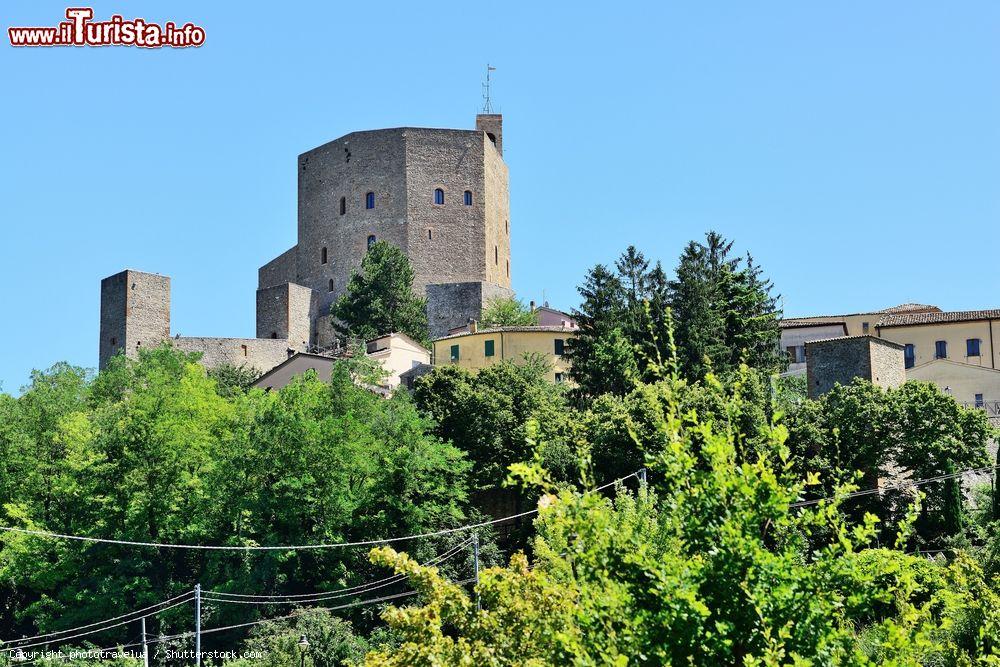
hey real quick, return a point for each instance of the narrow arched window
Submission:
(330, 285)
(438, 196)
(371, 240)
(468, 197)
(322, 256)
(370, 200)
(430, 235)
(343, 205)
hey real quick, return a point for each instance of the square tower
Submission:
(135, 312)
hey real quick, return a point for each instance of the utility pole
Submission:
(475, 558)
(197, 625)
(145, 646)
(642, 476)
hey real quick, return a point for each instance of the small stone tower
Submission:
(135, 312)
(836, 361)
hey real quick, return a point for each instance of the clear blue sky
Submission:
(852, 146)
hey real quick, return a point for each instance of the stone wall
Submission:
(451, 305)
(261, 354)
(287, 311)
(135, 313)
(349, 167)
(445, 242)
(282, 269)
(840, 360)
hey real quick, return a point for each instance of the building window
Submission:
(430, 235)
(972, 347)
(490, 348)
(508, 268)
(343, 205)
(496, 255)
(506, 226)
(560, 377)
(909, 355)
(941, 349)
(439, 196)
(864, 327)
(796, 354)
(980, 403)
(330, 285)
(322, 256)
(560, 346)
(370, 200)
(371, 241)
(454, 352)
(468, 197)
(114, 342)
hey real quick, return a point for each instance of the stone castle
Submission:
(440, 195)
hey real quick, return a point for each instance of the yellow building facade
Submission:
(480, 348)
(957, 351)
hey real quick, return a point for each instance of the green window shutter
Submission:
(454, 352)
(490, 350)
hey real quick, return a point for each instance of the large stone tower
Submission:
(439, 195)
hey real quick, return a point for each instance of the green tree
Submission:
(487, 414)
(506, 312)
(600, 337)
(380, 299)
(708, 565)
(725, 311)
(151, 451)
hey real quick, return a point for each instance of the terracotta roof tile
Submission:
(909, 319)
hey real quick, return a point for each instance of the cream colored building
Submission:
(397, 353)
(957, 351)
(479, 348)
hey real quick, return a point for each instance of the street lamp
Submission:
(303, 647)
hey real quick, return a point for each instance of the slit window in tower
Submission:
(343, 205)
(322, 256)
(439, 196)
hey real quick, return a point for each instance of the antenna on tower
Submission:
(487, 107)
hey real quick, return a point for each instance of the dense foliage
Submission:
(379, 298)
(151, 451)
(717, 313)
(710, 564)
(745, 546)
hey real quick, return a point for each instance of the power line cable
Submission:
(97, 630)
(242, 598)
(90, 625)
(298, 547)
